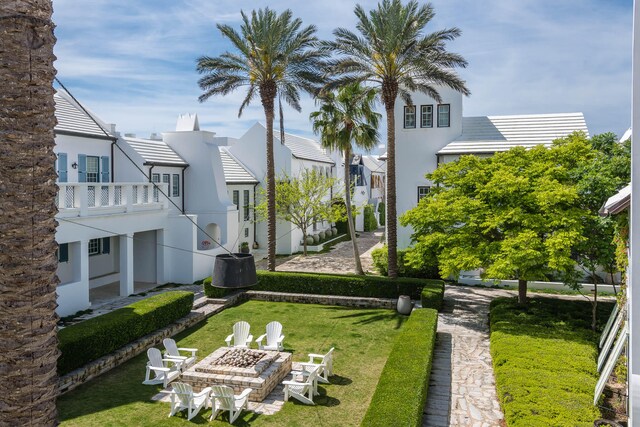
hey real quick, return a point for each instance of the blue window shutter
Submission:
(82, 168)
(106, 245)
(105, 167)
(63, 252)
(62, 167)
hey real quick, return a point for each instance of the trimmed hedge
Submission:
(382, 214)
(544, 358)
(380, 258)
(213, 292)
(432, 295)
(345, 285)
(401, 392)
(93, 338)
(370, 222)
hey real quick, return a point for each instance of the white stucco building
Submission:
(429, 133)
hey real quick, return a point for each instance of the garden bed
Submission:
(544, 359)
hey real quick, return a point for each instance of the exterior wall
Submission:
(243, 224)
(416, 151)
(144, 256)
(74, 145)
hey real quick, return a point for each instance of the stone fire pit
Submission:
(239, 369)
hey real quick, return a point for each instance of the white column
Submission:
(126, 264)
(634, 281)
(80, 251)
(160, 262)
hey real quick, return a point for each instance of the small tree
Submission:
(516, 214)
(303, 201)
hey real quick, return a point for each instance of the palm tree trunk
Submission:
(27, 215)
(522, 291)
(347, 196)
(392, 224)
(268, 95)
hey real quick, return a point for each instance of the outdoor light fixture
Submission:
(74, 165)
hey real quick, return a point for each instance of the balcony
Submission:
(93, 199)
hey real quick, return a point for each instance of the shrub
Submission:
(381, 261)
(370, 222)
(401, 392)
(382, 214)
(544, 361)
(432, 295)
(213, 292)
(346, 285)
(86, 341)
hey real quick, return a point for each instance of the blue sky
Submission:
(133, 62)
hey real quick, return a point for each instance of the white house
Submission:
(367, 177)
(291, 158)
(429, 133)
(117, 233)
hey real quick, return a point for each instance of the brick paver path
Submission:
(462, 388)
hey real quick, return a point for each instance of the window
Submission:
(422, 192)
(94, 246)
(176, 185)
(444, 118)
(426, 116)
(246, 232)
(155, 177)
(166, 178)
(410, 117)
(236, 198)
(63, 252)
(246, 205)
(93, 169)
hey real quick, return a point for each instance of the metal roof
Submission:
(618, 202)
(304, 148)
(234, 171)
(72, 120)
(155, 152)
(374, 164)
(490, 134)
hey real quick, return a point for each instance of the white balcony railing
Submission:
(89, 199)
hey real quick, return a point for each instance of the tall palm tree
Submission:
(346, 118)
(28, 188)
(393, 52)
(274, 57)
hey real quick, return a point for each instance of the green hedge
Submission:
(544, 358)
(346, 285)
(382, 213)
(401, 392)
(93, 338)
(370, 222)
(432, 295)
(380, 258)
(213, 292)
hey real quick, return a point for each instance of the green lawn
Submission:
(362, 338)
(544, 359)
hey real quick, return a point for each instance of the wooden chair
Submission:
(274, 337)
(172, 351)
(302, 390)
(165, 370)
(183, 397)
(223, 399)
(241, 337)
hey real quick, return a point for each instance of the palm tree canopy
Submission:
(274, 54)
(393, 49)
(347, 117)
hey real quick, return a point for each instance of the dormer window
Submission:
(426, 116)
(410, 117)
(444, 116)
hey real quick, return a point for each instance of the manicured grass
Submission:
(362, 338)
(544, 359)
(402, 390)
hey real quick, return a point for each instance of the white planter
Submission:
(404, 304)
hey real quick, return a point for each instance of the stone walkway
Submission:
(462, 387)
(338, 260)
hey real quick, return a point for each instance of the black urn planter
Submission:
(234, 271)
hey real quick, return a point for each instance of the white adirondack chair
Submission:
(223, 399)
(172, 351)
(165, 370)
(240, 336)
(302, 390)
(274, 338)
(324, 362)
(183, 397)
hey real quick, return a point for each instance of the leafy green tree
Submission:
(394, 53)
(517, 214)
(274, 56)
(303, 201)
(345, 118)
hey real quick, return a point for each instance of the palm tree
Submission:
(345, 118)
(275, 57)
(394, 53)
(27, 216)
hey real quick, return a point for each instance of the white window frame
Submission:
(443, 114)
(426, 111)
(409, 112)
(92, 175)
(94, 247)
(175, 185)
(423, 191)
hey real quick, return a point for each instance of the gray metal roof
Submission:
(155, 152)
(304, 148)
(234, 171)
(72, 120)
(490, 134)
(618, 202)
(374, 164)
